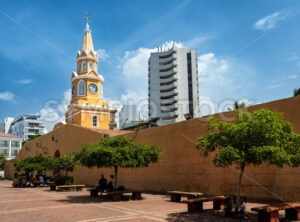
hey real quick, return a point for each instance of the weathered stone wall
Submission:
(181, 167)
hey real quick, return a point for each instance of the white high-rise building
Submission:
(128, 116)
(173, 85)
(27, 126)
(10, 145)
(5, 126)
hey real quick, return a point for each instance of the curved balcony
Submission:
(167, 54)
(168, 73)
(169, 117)
(165, 61)
(169, 113)
(168, 90)
(167, 102)
(167, 67)
(170, 94)
(168, 81)
(169, 87)
(169, 107)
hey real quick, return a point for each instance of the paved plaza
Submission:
(41, 204)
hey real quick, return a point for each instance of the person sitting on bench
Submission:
(111, 183)
(102, 184)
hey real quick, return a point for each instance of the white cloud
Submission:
(102, 54)
(136, 62)
(293, 77)
(7, 96)
(211, 68)
(25, 81)
(271, 21)
(222, 80)
(54, 110)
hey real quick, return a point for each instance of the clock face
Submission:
(93, 88)
(73, 90)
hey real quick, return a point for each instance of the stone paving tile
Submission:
(41, 204)
(65, 213)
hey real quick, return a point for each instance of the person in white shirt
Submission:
(41, 179)
(112, 183)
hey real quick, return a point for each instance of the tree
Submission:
(38, 163)
(66, 163)
(117, 152)
(2, 161)
(297, 92)
(256, 137)
(237, 105)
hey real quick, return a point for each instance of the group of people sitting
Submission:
(29, 179)
(104, 186)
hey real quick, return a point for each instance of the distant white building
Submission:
(173, 85)
(27, 126)
(128, 116)
(5, 126)
(10, 145)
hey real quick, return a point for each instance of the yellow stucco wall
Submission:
(181, 167)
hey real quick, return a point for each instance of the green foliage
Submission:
(31, 138)
(256, 137)
(66, 180)
(38, 163)
(2, 161)
(66, 163)
(297, 92)
(118, 152)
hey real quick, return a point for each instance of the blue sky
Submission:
(248, 50)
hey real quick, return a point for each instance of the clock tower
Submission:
(87, 107)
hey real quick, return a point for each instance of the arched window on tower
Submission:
(91, 66)
(83, 66)
(81, 88)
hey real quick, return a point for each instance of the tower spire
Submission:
(87, 43)
(87, 19)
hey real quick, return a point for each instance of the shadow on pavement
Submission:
(207, 215)
(88, 199)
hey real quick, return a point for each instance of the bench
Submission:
(93, 192)
(176, 195)
(52, 185)
(66, 188)
(196, 205)
(270, 213)
(117, 195)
